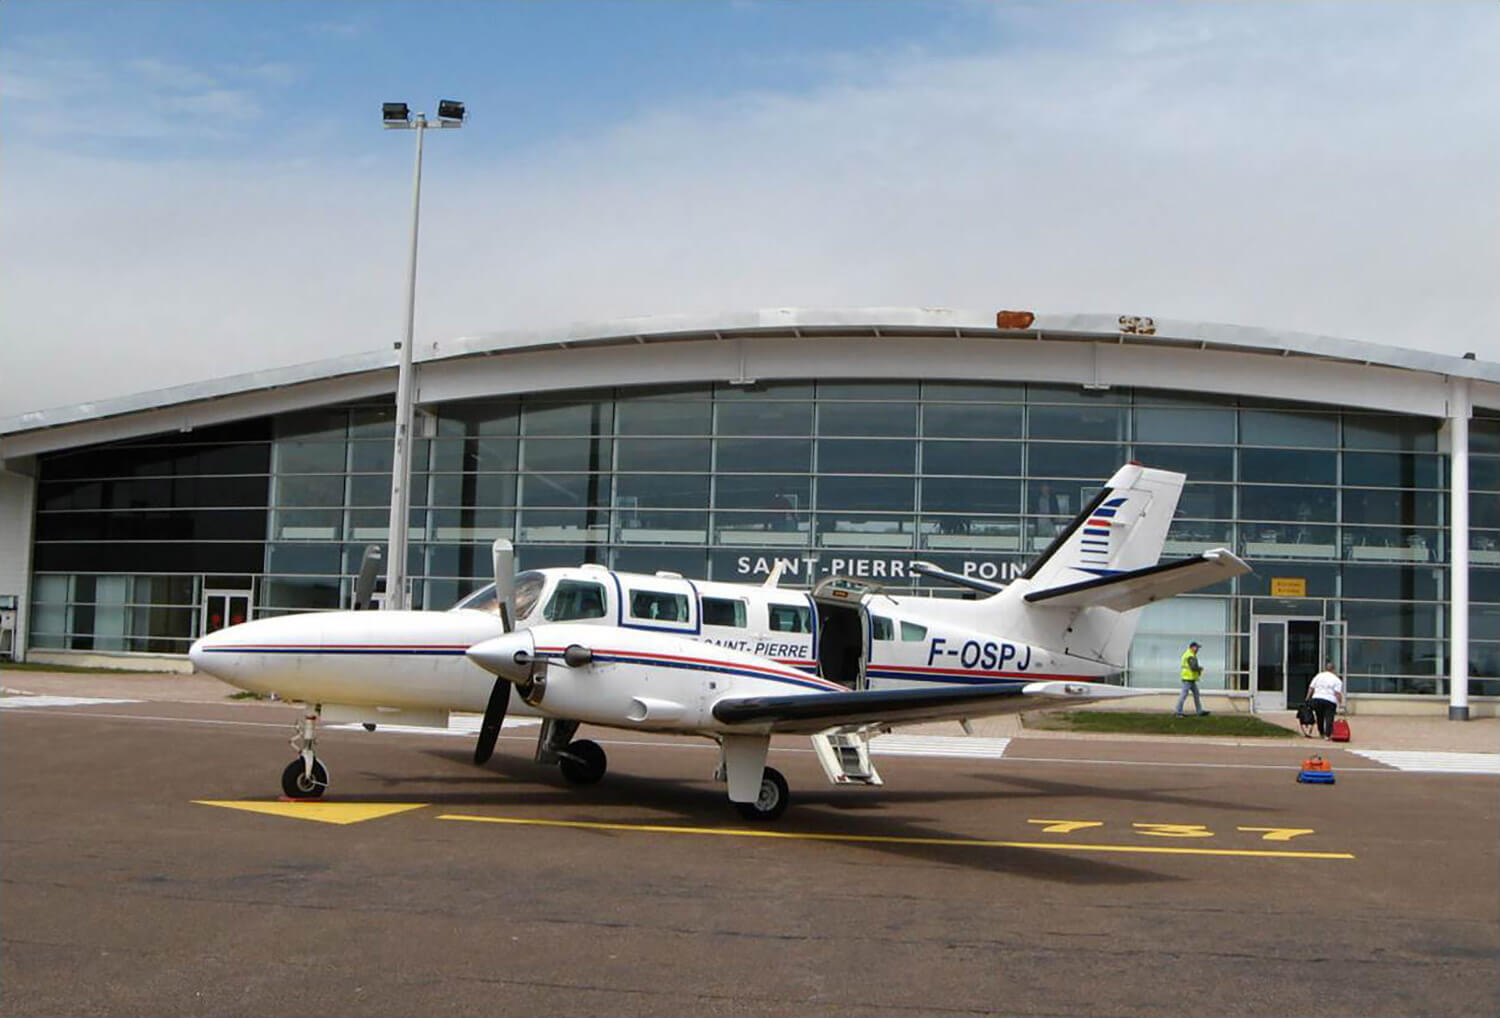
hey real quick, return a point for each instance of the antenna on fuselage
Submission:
(774, 580)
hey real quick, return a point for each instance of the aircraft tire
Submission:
(295, 784)
(772, 801)
(586, 763)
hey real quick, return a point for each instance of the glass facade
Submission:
(1341, 513)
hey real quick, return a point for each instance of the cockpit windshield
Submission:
(528, 589)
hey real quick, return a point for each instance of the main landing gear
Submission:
(305, 777)
(582, 761)
(772, 800)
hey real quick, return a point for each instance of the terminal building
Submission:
(1360, 481)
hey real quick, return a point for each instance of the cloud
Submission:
(1285, 167)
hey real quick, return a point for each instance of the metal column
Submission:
(1458, 542)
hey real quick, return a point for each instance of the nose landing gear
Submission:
(305, 777)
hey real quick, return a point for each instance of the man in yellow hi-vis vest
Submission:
(1191, 672)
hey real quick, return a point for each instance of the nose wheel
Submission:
(583, 762)
(305, 777)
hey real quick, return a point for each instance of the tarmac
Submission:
(1371, 731)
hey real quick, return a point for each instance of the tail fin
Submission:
(1123, 528)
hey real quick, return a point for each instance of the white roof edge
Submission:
(1069, 326)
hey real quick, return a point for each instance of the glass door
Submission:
(224, 608)
(1285, 653)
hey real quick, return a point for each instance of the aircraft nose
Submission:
(509, 656)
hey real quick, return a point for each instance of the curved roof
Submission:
(800, 323)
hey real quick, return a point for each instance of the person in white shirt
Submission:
(1326, 694)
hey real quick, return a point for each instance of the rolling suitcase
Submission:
(1340, 730)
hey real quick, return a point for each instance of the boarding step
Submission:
(845, 757)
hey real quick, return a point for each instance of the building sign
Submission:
(809, 569)
(1288, 586)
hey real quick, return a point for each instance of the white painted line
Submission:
(24, 702)
(1433, 762)
(938, 745)
(465, 725)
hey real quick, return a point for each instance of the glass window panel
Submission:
(543, 454)
(860, 419)
(371, 457)
(1321, 579)
(1484, 584)
(667, 491)
(372, 489)
(1378, 431)
(1391, 619)
(1390, 544)
(299, 593)
(1206, 501)
(864, 530)
(970, 420)
(1484, 510)
(763, 529)
(663, 417)
(373, 423)
(225, 459)
(866, 493)
(1100, 423)
(1164, 424)
(1484, 435)
(1396, 666)
(568, 418)
(313, 490)
(1096, 462)
(1289, 541)
(970, 495)
(661, 526)
(1301, 505)
(473, 559)
(479, 417)
(475, 454)
(723, 611)
(769, 491)
(789, 618)
(471, 489)
(313, 425)
(1391, 470)
(565, 490)
(471, 524)
(1039, 393)
(1395, 582)
(970, 392)
(757, 417)
(310, 457)
(662, 453)
(1287, 427)
(307, 525)
(326, 560)
(1411, 507)
(690, 562)
(866, 456)
(911, 632)
(1288, 466)
(738, 455)
(583, 526)
(972, 458)
(867, 390)
(1484, 474)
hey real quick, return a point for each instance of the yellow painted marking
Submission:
(1278, 833)
(1066, 826)
(1053, 846)
(322, 812)
(1174, 830)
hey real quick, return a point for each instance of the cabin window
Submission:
(656, 606)
(722, 611)
(573, 600)
(913, 633)
(881, 628)
(790, 618)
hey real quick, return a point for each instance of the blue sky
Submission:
(194, 189)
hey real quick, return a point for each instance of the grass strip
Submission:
(1154, 723)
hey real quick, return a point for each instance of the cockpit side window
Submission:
(528, 588)
(790, 618)
(573, 600)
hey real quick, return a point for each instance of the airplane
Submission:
(736, 663)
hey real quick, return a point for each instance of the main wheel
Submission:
(584, 763)
(295, 782)
(771, 802)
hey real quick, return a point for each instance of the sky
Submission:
(190, 190)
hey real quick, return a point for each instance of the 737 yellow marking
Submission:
(1066, 826)
(1278, 833)
(877, 839)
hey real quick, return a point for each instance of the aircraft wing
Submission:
(1137, 587)
(818, 712)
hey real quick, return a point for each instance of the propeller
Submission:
(364, 586)
(504, 556)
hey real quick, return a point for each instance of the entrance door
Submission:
(1285, 655)
(223, 608)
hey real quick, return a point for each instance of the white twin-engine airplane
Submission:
(736, 663)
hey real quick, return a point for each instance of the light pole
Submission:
(396, 116)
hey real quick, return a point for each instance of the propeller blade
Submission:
(494, 720)
(364, 586)
(505, 581)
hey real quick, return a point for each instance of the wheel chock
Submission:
(1315, 771)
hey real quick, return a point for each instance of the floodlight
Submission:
(395, 113)
(450, 109)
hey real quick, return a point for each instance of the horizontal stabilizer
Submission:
(819, 712)
(1137, 587)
